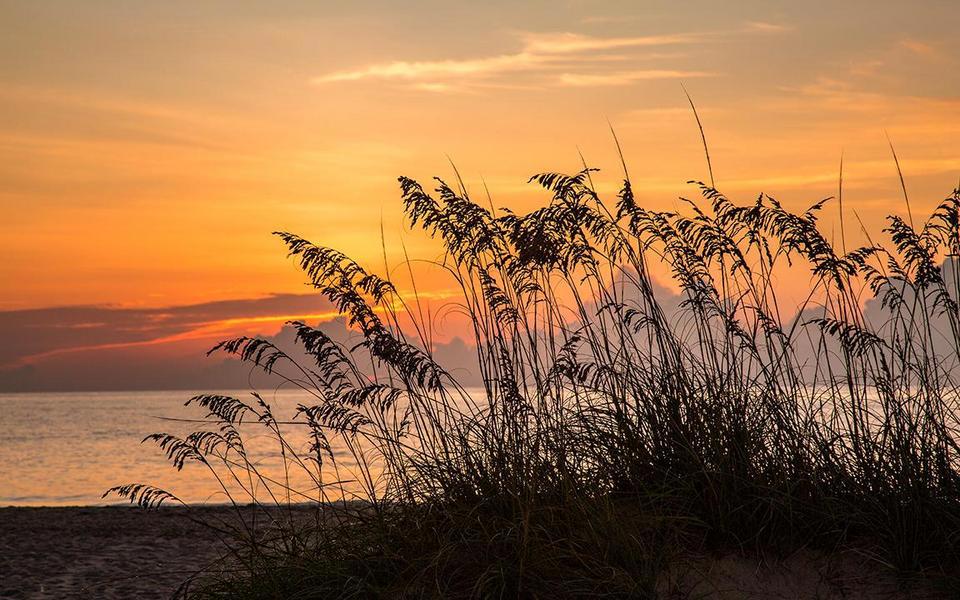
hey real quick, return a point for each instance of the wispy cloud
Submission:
(438, 68)
(554, 58)
(568, 43)
(625, 77)
(920, 48)
(765, 27)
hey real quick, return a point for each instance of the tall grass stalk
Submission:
(614, 425)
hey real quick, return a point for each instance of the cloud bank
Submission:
(94, 348)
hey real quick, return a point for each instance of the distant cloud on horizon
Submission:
(120, 349)
(43, 343)
(100, 348)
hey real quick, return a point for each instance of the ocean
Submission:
(66, 449)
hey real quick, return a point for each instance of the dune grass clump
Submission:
(618, 425)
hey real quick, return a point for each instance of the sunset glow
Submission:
(147, 154)
(451, 300)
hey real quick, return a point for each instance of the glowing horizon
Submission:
(148, 153)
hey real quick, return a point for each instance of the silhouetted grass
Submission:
(616, 429)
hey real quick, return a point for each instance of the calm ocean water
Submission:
(61, 449)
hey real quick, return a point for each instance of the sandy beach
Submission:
(120, 552)
(100, 552)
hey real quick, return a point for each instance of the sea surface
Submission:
(67, 449)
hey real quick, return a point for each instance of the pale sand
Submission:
(121, 552)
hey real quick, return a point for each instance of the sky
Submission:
(148, 149)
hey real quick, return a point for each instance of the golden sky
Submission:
(147, 150)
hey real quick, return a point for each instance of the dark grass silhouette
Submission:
(615, 431)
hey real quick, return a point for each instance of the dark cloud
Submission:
(92, 348)
(28, 333)
(111, 348)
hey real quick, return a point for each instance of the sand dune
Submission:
(119, 552)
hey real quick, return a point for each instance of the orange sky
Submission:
(147, 151)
